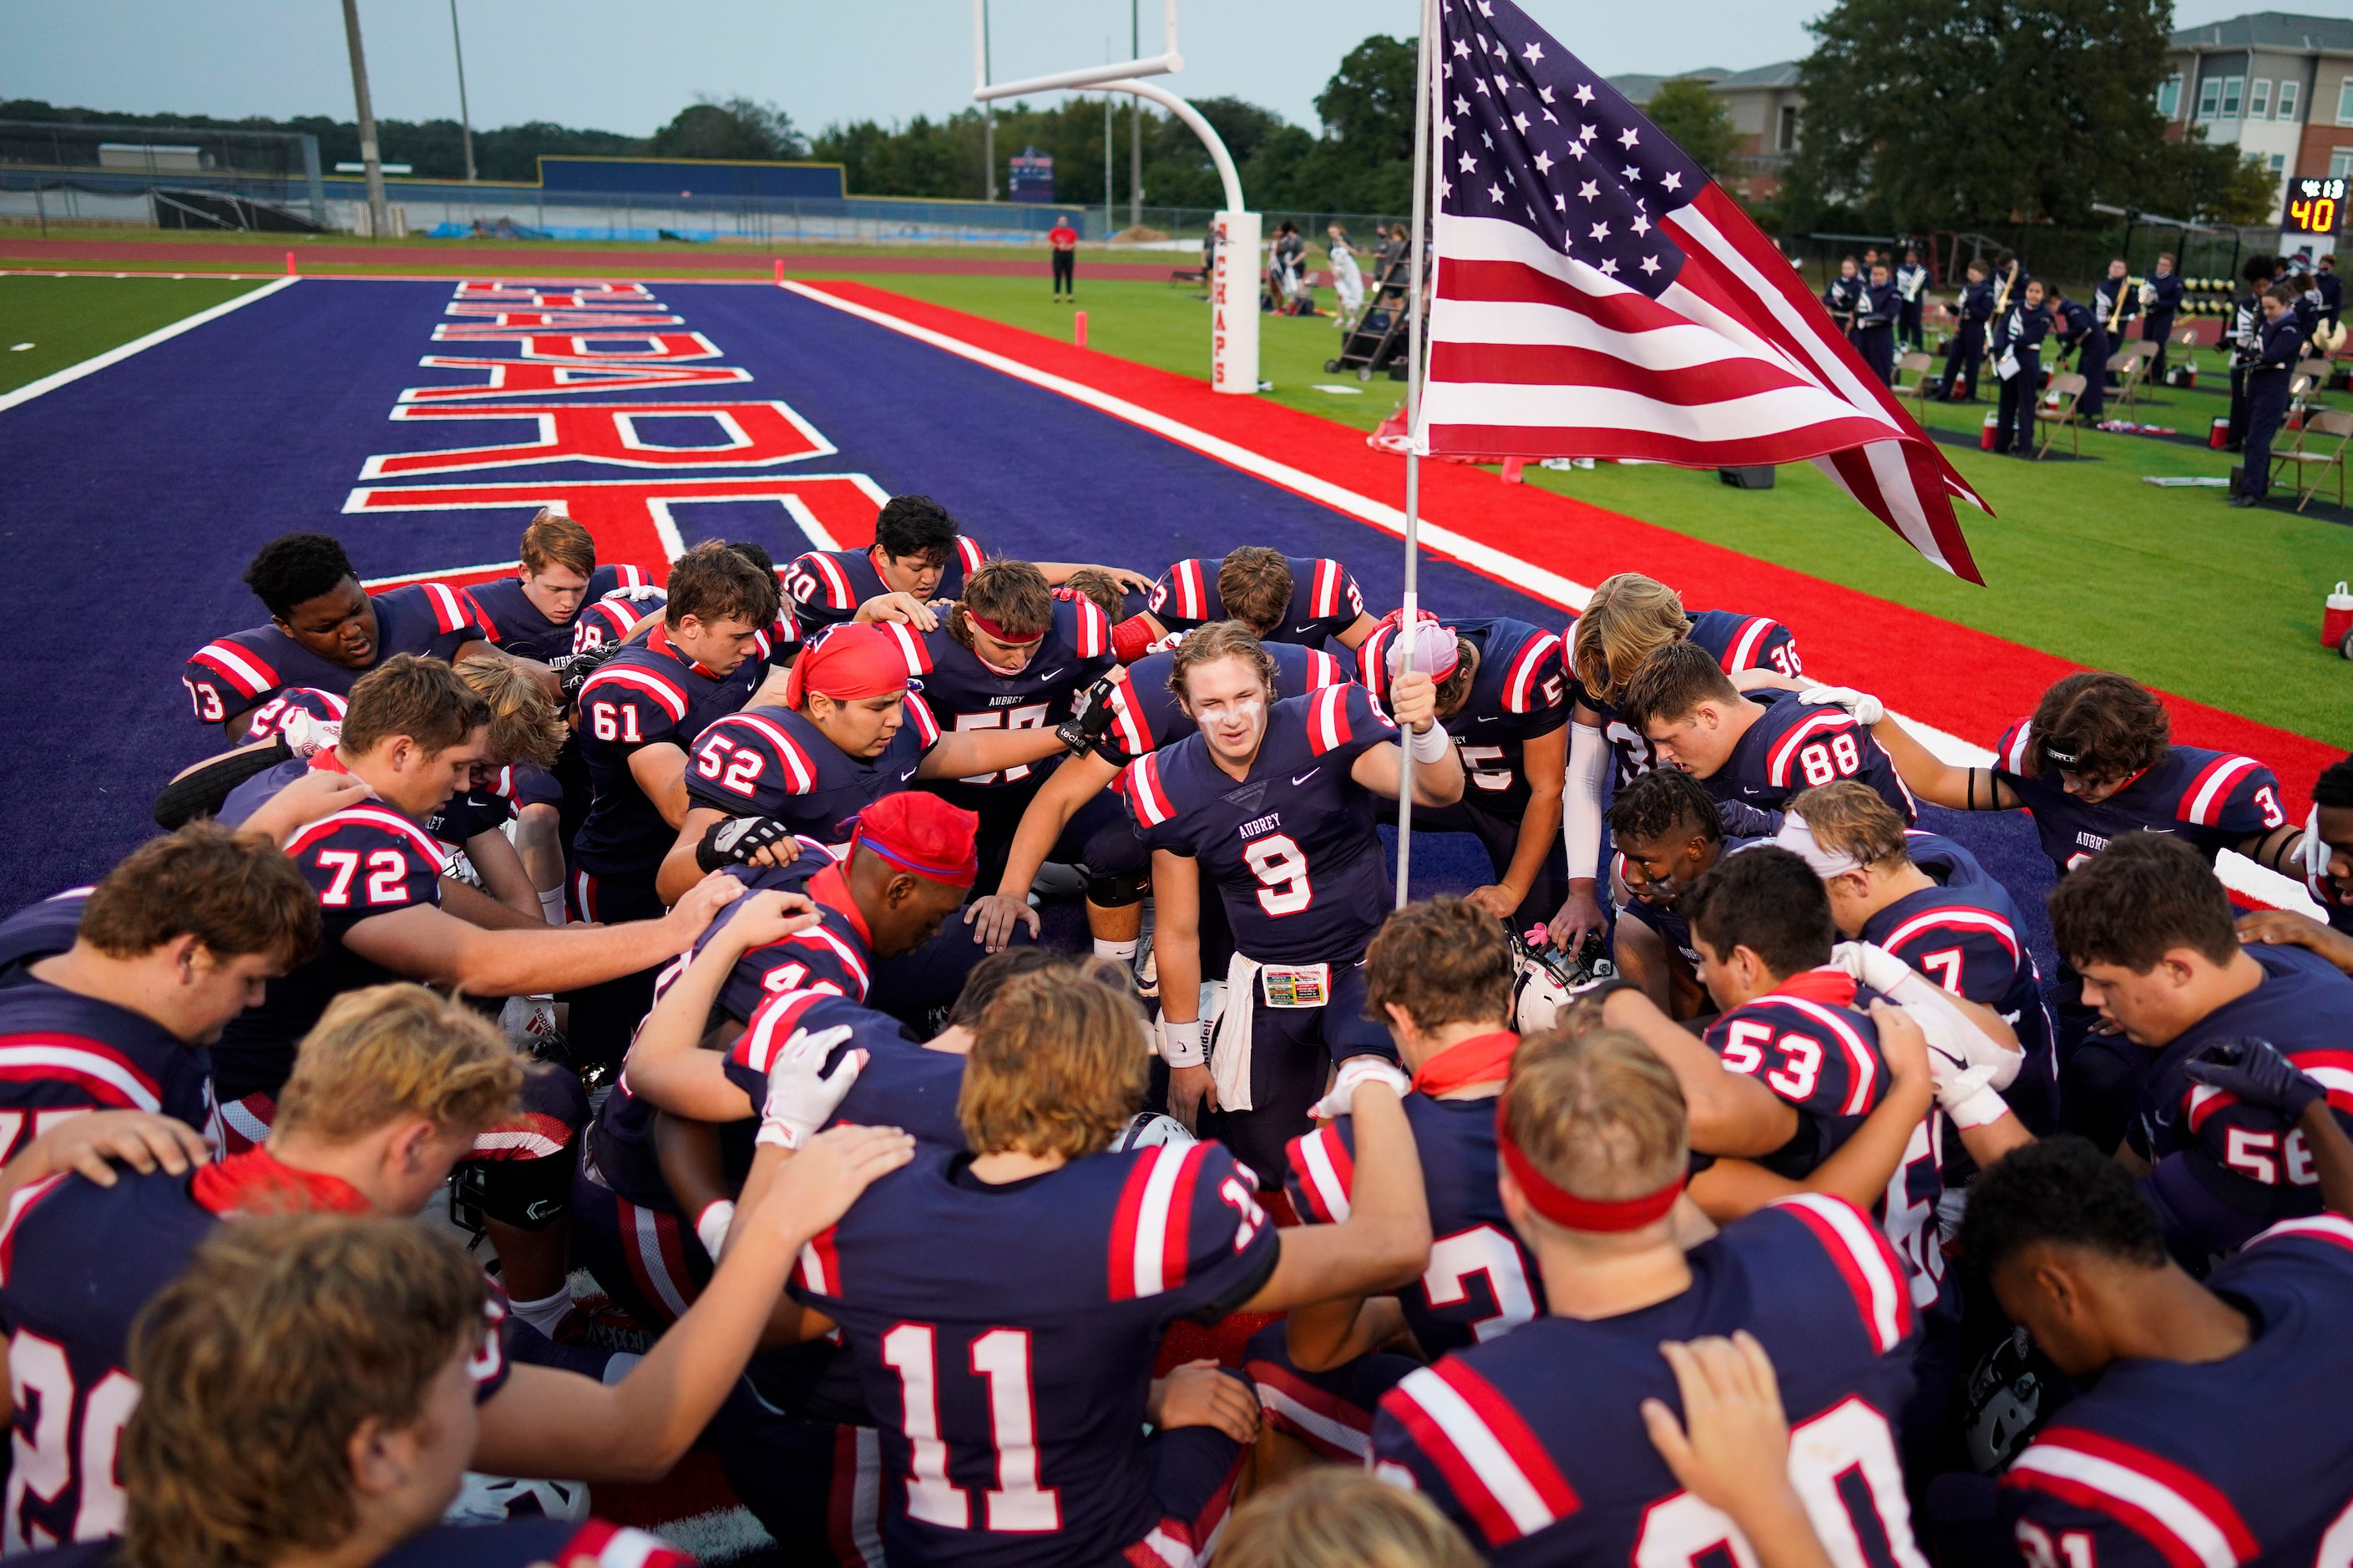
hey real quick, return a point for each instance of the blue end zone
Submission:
(134, 498)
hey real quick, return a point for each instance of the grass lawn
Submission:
(2083, 561)
(68, 319)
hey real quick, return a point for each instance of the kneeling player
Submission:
(2213, 1419)
(2327, 857)
(1283, 598)
(1005, 1306)
(1272, 804)
(1669, 834)
(1440, 973)
(1535, 1442)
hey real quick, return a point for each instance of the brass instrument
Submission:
(2116, 316)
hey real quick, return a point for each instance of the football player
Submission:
(2211, 1419)
(175, 940)
(389, 1091)
(1145, 716)
(1440, 972)
(414, 732)
(535, 614)
(918, 559)
(1629, 617)
(1756, 749)
(1926, 899)
(1271, 803)
(325, 631)
(1668, 832)
(1004, 1305)
(2148, 927)
(1499, 695)
(526, 736)
(2094, 762)
(1300, 599)
(1535, 1442)
(2327, 857)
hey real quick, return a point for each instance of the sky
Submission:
(628, 67)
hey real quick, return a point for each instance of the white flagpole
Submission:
(1424, 86)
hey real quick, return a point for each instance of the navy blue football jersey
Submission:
(1738, 642)
(62, 1053)
(2212, 800)
(646, 694)
(836, 954)
(1534, 1443)
(1291, 849)
(233, 673)
(1793, 747)
(2301, 1007)
(2168, 1464)
(1145, 715)
(1967, 936)
(1516, 697)
(40, 931)
(1481, 1282)
(487, 808)
(267, 718)
(533, 1543)
(965, 694)
(613, 617)
(77, 1261)
(773, 762)
(362, 861)
(509, 619)
(1005, 1337)
(1325, 599)
(828, 586)
(904, 1083)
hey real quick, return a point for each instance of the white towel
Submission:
(1229, 1041)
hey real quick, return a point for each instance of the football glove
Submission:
(733, 842)
(1090, 718)
(1867, 710)
(582, 667)
(1354, 1072)
(801, 1097)
(2257, 1072)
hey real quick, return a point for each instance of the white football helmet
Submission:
(1149, 1129)
(1547, 982)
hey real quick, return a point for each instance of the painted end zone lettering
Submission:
(633, 519)
(657, 347)
(757, 436)
(525, 378)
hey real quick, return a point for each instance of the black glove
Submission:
(1091, 716)
(2257, 1074)
(582, 667)
(735, 840)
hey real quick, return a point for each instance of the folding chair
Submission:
(2132, 370)
(2056, 409)
(1921, 368)
(2332, 430)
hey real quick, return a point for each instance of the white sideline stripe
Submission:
(116, 356)
(2239, 874)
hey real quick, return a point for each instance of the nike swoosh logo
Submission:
(1308, 627)
(1050, 674)
(1308, 775)
(905, 776)
(1488, 719)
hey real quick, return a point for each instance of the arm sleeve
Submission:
(1588, 757)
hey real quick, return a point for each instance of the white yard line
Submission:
(96, 362)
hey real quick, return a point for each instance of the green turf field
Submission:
(67, 320)
(2084, 560)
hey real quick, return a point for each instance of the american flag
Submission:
(1597, 296)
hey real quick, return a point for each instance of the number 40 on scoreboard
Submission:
(2314, 207)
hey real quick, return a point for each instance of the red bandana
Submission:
(1481, 1058)
(1564, 1207)
(831, 888)
(1829, 985)
(1000, 633)
(859, 660)
(258, 1182)
(324, 761)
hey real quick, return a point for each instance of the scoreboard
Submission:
(2314, 207)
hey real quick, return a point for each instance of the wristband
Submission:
(1181, 1045)
(1974, 1106)
(1431, 745)
(711, 1225)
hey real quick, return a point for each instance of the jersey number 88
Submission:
(1836, 758)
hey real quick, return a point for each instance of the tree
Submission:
(738, 129)
(1936, 113)
(1367, 106)
(1696, 120)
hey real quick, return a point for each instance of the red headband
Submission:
(919, 832)
(1000, 633)
(1566, 1208)
(849, 662)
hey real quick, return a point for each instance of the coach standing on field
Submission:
(1065, 241)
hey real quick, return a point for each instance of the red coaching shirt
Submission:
(1062, 236)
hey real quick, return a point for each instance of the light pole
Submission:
(1135, 121)
(464, 117)
(371, 160)
(987, 108)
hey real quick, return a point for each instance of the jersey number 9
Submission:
(1281, 865)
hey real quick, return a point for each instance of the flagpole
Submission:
(1424, 86)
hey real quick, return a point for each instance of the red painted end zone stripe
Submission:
(1894, 650)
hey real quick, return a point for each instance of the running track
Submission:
(136, 494)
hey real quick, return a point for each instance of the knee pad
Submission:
(1117, 889)
(528, 1194)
